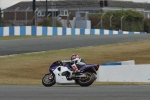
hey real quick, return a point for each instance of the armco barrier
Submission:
(54, 31)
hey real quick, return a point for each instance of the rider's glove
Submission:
(72, 62)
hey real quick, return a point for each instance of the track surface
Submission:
(9, 47)
(75, 93)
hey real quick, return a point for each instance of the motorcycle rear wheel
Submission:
(49, 80)
(90, 78)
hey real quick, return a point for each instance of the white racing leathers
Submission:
(76, 64)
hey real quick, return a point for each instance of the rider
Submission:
(77, 62)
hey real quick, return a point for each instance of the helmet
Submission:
(74, 56)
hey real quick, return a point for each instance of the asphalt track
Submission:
(75, 93)
(9, 47)
(124, 92)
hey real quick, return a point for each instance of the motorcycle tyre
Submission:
(51, 84)
(92, 79)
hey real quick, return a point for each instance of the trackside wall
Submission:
(124, 73)
(55, 31)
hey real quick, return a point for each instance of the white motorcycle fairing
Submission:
(58, 75)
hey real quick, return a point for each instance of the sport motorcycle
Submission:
(62, 73)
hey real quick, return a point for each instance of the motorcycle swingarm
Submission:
(79, 76)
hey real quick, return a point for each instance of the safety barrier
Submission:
(54, 31)
(129, 62)
(124, 73)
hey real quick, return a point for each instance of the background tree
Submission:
(48, 22)
(132, 21)
(1, 19)
(147, 25)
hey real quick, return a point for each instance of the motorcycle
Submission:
(62, 73)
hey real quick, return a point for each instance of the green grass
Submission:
(28, 69)
(19, 37)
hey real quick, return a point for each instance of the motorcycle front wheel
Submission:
(49, 79)
(88, 80)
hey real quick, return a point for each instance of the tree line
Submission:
(126, 20)
(1, 18)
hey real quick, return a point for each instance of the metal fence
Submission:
(55, 7)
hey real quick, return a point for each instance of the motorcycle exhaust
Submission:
(78, 76)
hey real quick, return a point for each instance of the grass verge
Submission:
(28, 69)
(19, 37)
